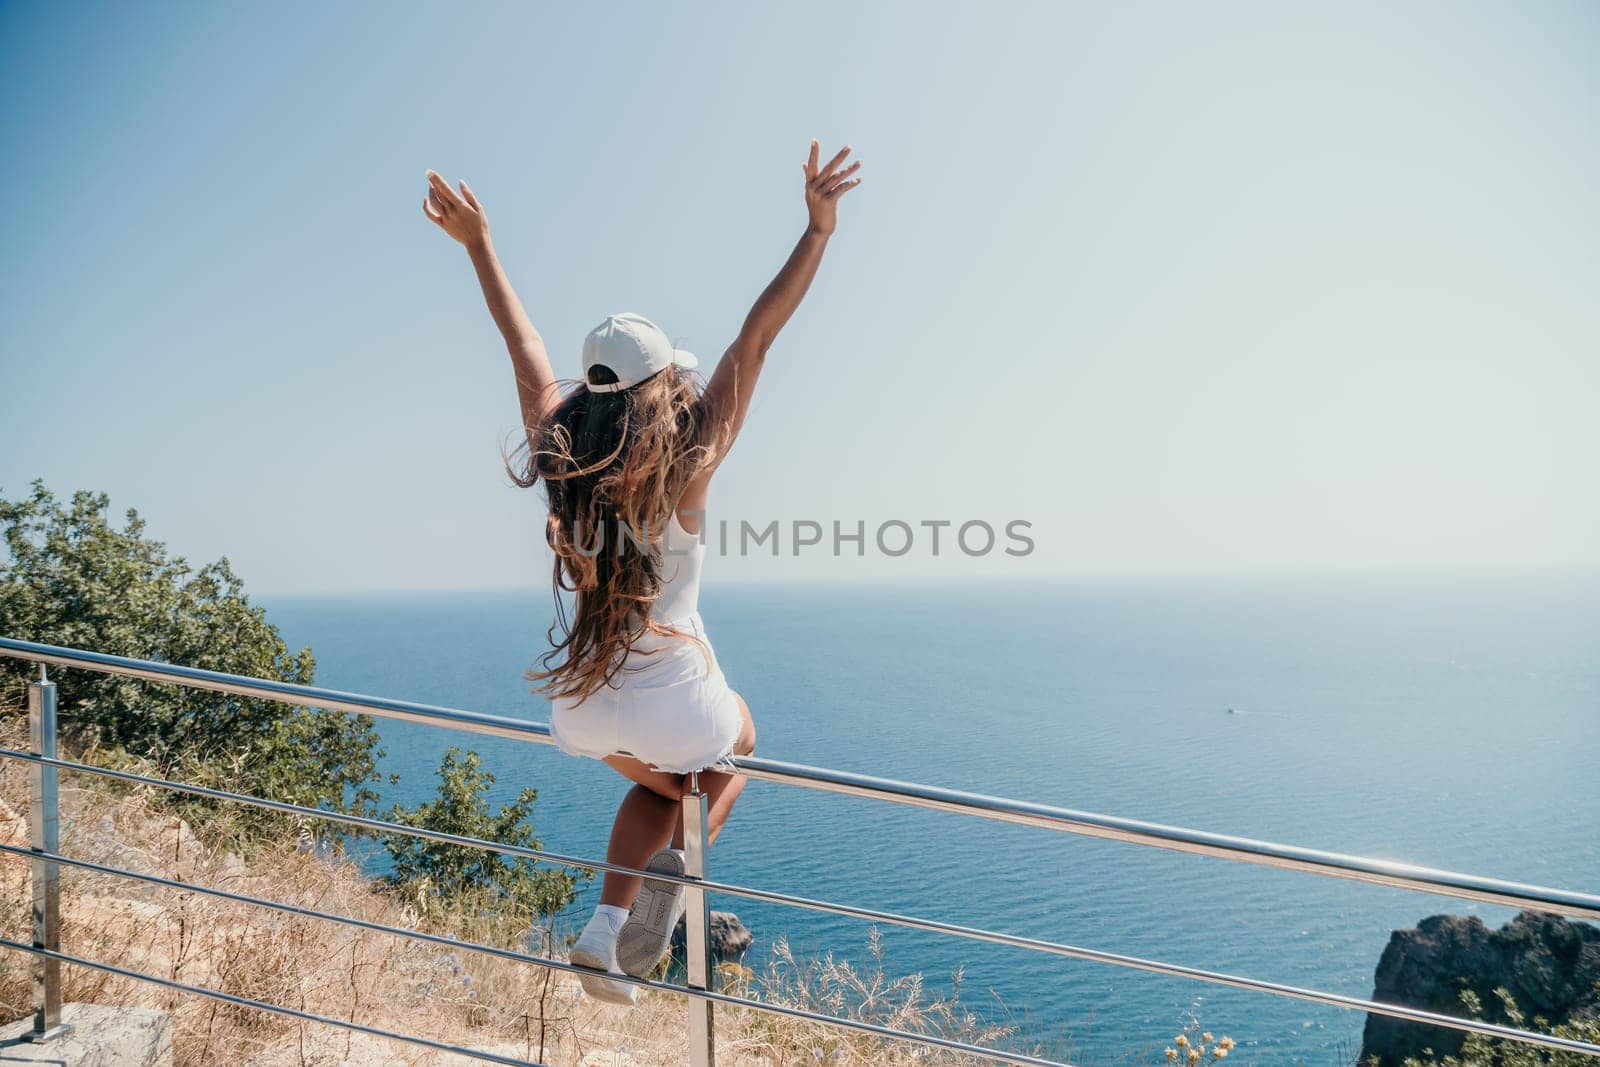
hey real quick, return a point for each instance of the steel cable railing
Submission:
(1415, 1015)
(1002, 809)
(45, 858)
(768, 896)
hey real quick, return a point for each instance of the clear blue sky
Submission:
(1185, 286)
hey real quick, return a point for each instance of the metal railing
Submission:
(45, 859)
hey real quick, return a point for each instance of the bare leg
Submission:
(722, 789)
(642, 827)
(651, 814)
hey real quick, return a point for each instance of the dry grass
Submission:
(464, 997)
(831, 986)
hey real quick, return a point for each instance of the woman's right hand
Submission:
(460, 216)
(825, 185)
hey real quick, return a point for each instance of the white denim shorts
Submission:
(671, 708)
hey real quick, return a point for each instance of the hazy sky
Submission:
(1184, 286)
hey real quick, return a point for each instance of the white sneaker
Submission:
(647, 935)
(596, 951)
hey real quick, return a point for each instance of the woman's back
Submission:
(685, 654)
(682, 559)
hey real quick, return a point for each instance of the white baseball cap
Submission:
(634, 348)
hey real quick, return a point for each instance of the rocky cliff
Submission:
(1547, 963)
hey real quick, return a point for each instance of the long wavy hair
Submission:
(614, 466)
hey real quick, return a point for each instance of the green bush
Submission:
(437, 876)
(1480, 1050)
(68, 576)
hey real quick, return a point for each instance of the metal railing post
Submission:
(697, 928)
(44, 825)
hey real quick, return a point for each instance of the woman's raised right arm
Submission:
(463, 218)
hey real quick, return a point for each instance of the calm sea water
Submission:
(1448, 721)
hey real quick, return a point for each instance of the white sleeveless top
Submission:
(683, 556)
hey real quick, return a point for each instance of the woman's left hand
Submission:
(460, 216)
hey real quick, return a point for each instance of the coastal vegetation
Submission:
(436, 877)
(70, 576)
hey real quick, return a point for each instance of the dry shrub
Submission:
(831, 986)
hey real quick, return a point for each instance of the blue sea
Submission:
(1449, 720)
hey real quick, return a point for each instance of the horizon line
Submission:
(1476, 569)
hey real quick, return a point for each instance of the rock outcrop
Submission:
(1547, 963)
(730, 938)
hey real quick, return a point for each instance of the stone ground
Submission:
(100, 1036)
